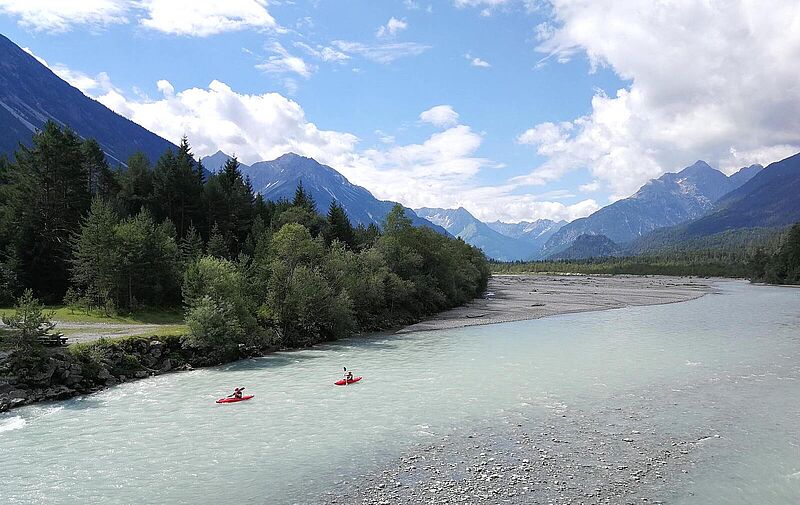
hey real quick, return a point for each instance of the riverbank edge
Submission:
(81, 369)
(53, 374)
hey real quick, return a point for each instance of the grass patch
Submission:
(144, 316)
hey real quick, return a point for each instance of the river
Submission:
(726, 364)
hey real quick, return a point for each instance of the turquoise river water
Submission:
(733, 357)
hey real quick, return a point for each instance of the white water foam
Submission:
(13, 423)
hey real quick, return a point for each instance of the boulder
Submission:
(156, 348)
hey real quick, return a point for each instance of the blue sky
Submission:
(529, 119)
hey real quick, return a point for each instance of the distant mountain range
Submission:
(500, 241)
(279, 178)
(667, 201)
(769, 200)
(535, 232)
(30, 94)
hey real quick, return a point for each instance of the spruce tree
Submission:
(95, 253)
(303, 199)
(216, 244)
(191, 246)
(48, 194)
(339, 226)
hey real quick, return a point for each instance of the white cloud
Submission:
(84, 82)
(441, 116)
(202, 18)
(477, 62)
(60, 16)
(324, 53)
(199, 18)
(480, 3)
(590, 187)
(255, 127)
(381, 53)
(391, 28)
(440, 170)
(705, 82)
(281, 62)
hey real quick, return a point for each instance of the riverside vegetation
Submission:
(251, 275)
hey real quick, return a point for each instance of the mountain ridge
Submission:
(278, 178)
(30, 94)
(669, 200)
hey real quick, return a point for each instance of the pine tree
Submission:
(191, 246)
(95, 253)
(216, 244)
(303, 199)
(230, 200)
(135, 186)
(48, 194)
(177, 189)
(339, 226)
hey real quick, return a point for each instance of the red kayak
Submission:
(341, 382)
(234, 400)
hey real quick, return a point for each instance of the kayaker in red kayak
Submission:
(348, 376)
(237, 393)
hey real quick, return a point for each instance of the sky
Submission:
(513, 109)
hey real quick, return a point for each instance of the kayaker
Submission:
(348, 376)
(237, 393)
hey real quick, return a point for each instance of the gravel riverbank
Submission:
(612, 455)
(522, 297)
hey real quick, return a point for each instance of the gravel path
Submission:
(86, 332)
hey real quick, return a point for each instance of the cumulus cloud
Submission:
(84, 82)
(60, 16)
(202, 18)
(198, 18)
(441, 116)
(282, 62)
(705, 82)
(255, 127)
(477, 62)
(391, 28)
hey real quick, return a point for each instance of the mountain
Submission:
(461, 223)
(749, 215)
(588, 246)
(671, 199)
(30, 94)
(769, 199)
(216, 161)
(279, 178)
(536, 233)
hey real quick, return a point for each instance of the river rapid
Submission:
(725, 366)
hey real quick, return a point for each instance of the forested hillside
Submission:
(243, 268)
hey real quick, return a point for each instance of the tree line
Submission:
(780, 266)
(767, 255)
(245, 270)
